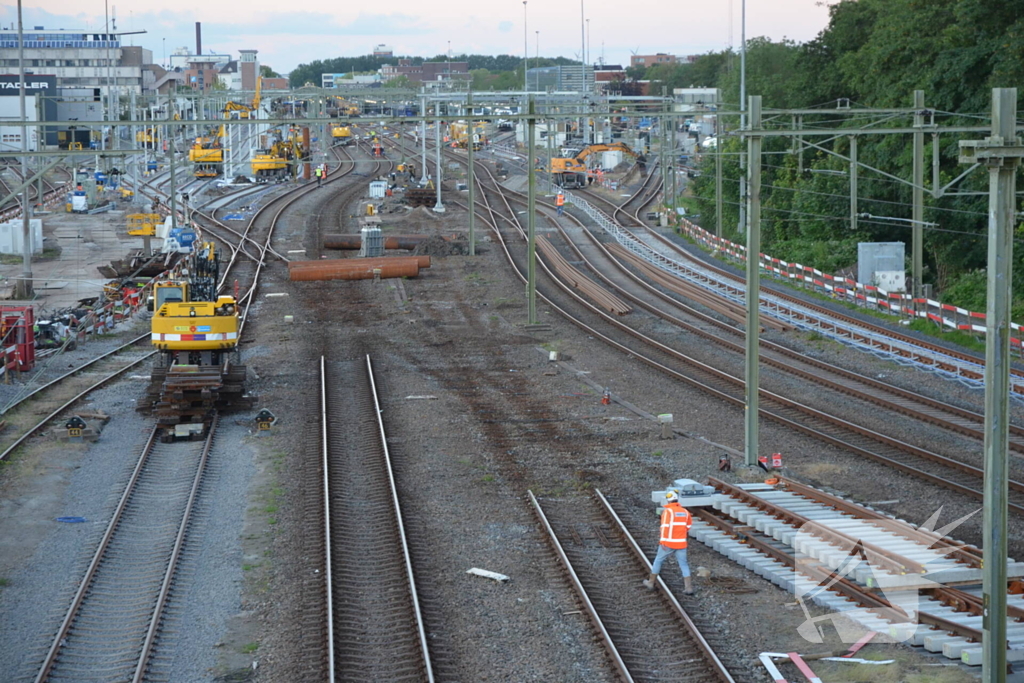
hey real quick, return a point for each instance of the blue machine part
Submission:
(151, 166)
(101, 177)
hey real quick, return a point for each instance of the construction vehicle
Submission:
(143, 224)
(208, 155)
(342, 135)
(148, 138)
(196, 332)
(273, 162)
(572, 171)
(241, 110)
(459, 133)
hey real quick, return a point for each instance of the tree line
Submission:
(872, 53)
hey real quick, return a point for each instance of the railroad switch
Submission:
(263, 421)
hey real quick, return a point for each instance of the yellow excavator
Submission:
(207, 154)
(272, 163)
(342, 135)
(573, 171)
(240, 110)
(460, 133)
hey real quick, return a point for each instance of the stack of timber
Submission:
(191, 394)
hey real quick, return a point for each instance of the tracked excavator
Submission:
(572, 172)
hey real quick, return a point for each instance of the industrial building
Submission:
(651, 60)
(345, 80)
(78, 59)
(427, 72)
(40, 105)
(560, 78)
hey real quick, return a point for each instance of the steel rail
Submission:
(42, 423)
(581, 592)
(73, 371)
(421, 629)
(172, 563)
(328, 569)
(793, 424)
(695, 633)
(828, 313)
(917, 452)
(58, 641)
(294, 196)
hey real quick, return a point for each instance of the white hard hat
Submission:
(671, 496)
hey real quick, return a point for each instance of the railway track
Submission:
(375, 629)
(12, 207)
(864, 441)
(855, 331)
(21, 414)
(647, 635)
(113, 625)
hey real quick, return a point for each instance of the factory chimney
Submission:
(199, 38)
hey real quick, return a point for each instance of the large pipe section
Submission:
(340, 241)
(343, 269)
(420, 261)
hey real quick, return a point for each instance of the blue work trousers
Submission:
(664, 552)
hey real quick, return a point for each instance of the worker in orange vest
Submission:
(675, 525)
(559, 202)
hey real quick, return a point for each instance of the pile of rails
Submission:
(571, 275)
(357, 268)
(733, 311)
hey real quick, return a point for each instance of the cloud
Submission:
(505, 26)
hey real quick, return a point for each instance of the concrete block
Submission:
(936, 642)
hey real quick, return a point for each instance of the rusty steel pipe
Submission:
(339, 270)
(419, 261)
(339, 241)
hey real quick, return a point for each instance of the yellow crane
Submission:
(240, 110)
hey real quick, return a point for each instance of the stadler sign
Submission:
(34, 85)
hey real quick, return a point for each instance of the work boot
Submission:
(650, 582)
(688, 585)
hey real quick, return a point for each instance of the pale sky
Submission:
(322, 29)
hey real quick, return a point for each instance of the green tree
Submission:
(399, 82)
(267, 72)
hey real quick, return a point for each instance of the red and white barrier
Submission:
(848, 289)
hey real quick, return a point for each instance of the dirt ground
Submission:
(85, 242)
(464, 381)
(477, 416)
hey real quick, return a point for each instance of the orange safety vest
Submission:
(675, 524)
(559, 199)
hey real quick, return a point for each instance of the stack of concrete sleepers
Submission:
(932, 568)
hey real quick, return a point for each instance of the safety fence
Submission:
(849, 333)
(847, 289)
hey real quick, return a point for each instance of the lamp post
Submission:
(526, 52)
(25, 289)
